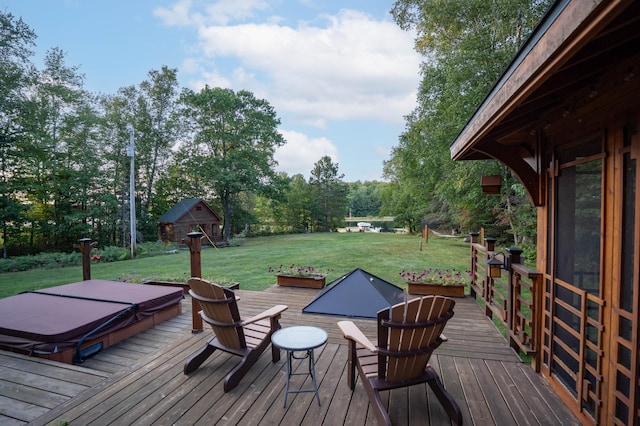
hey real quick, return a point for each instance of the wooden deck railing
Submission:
(514, 299)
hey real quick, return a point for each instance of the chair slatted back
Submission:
(409, 334)
(220, 311)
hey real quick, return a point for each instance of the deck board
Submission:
(140, 380)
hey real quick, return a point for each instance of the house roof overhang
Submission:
(573, 46)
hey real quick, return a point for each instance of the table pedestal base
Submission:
(312, 372)
(302, 339)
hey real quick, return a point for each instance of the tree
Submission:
(58, 96)
(156, 121)
(297, 209)
(233, 140)
(81, 190)
(466, 44)
(365, 198)
(16, 71)
(403, 197)
(118, 112)
(330, 194)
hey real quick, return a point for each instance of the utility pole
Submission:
(132, 191)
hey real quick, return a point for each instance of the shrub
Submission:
(155, 248)
(114, 254)
(41, 260)
(61, 260)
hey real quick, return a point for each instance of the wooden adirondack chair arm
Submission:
(352, 332)
(269, 313)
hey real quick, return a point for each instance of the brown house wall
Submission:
(192, 221)
(601, 115)
(577, 86)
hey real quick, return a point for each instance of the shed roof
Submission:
(183, 207)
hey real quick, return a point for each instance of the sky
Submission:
(340, 74)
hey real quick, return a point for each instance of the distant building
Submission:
(364, 226)
(189, 215)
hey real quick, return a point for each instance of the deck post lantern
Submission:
(495, 265)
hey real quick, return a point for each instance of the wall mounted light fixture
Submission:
(495, 265)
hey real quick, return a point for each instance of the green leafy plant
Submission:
(300, 271)
(437, 276)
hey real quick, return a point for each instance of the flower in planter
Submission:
(437, 276)
(300, 271)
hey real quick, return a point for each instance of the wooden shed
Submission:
(565, 118)
(189, 215)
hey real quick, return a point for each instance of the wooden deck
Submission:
(140, 380)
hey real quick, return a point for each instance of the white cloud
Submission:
(384, 152)
(220, 12)
(328, 72)
(177, 15)
(351, 67)
(355, 68)
(300, 153)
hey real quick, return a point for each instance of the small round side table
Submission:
(300, 338)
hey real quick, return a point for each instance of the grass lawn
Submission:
(382, 254)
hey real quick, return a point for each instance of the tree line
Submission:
(466, 45)
(65, 165)
(64, 169)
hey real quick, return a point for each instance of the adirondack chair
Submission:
(406, 338)
(246, 338)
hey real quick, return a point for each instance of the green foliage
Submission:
(65, 164)
(438, 276)
(16, 41)
(40, 261)
(61, 260)
(466, 45)
(329, 195)
(382, 254)
(234, 139)
(114, 254)
(295, 212)
(65, 169)
(237, 240)
(365, 198)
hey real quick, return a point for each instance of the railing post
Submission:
(474, 237)
(195, 246)
(536, 320)
(474, 263)
(490, 245)
(85, 246)
(513, 256)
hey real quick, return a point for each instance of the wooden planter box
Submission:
(306, 282)
(427, 289)
(185, 286)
